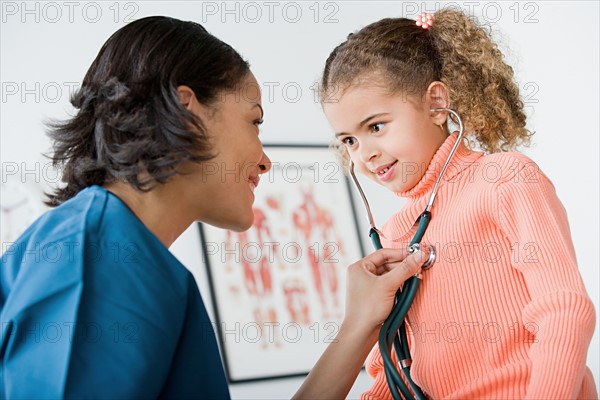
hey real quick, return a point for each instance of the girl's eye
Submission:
(349, 141)
(374, 128)
(259, 122)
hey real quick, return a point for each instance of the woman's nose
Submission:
(264, 165)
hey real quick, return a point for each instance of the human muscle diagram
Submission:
(279, 286)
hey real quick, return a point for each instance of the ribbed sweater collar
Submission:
(461, 160)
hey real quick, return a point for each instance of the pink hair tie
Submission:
(425, 20)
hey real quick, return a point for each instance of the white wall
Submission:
(46, 48)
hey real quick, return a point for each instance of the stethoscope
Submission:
(393, 330)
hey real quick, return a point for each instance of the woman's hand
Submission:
(372, 284)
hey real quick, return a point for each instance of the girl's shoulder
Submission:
(510, 167)
(507, 161)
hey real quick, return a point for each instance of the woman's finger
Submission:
(407, 268)
(377, 263)
(378, 259)
(389, 266)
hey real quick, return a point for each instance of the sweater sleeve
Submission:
(560, 314)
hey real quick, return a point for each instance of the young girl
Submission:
(503, 312)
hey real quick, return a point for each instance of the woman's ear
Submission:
(186, 96)
(437, 97)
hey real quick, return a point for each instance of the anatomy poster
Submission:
(279, 288)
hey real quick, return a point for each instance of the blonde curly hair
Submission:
(457, 51)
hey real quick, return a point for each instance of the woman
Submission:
(93, 304)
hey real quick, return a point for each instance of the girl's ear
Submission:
(437, 97)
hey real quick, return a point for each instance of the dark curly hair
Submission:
(457, 51)
(130, 125)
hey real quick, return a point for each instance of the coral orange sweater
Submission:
(503, 313)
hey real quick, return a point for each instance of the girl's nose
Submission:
(368, 152)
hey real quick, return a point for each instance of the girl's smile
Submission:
(386, 172)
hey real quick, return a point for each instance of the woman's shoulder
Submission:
(66, 220)
(57, 237)
(98, 232)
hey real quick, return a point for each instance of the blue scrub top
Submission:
(93, 305)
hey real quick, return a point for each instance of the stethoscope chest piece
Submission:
(431, 249)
